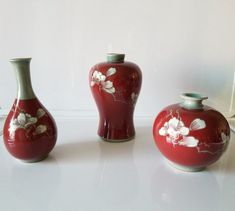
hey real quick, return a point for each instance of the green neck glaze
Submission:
(192, 101)
(22, 71)
(115, 58)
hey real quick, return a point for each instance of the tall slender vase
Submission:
(30, 131)
(115, 85)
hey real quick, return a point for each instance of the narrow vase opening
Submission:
(192, 100)
(115, 57)
(22, 60)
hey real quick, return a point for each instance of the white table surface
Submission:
(85, 173)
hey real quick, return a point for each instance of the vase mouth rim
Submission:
(23, 60)
(193, 96)
(115, 57)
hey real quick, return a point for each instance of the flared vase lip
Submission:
(193, 96)
(21, 60)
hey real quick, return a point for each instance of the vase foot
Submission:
(117, 140)
(33, 160)
(185, 168)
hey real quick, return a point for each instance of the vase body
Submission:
(191, 135)
(29, 131)
(115, 86)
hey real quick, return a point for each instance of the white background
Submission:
(180, 45)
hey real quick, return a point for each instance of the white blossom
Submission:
(176, 132)
(173, 129)
(24, 121)
(99, 79)
(189, 141)
(41, 129)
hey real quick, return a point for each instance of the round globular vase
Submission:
(191, 135)
(115, 85)
(29, 132)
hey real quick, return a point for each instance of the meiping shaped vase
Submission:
(191, 135)
(115, 85)
(29, 132)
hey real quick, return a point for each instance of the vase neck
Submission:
(192, 101)
(115, 58)
(22, 71)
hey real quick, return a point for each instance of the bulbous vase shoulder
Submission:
(191, 135)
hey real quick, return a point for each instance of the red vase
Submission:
(191, 135)
(115, 85)
(29, 131)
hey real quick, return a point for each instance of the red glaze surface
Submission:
(116, 104)
(195, 147)
(29, 132)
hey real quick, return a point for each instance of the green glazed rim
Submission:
(192, 100)
(193, 96)
(22, 60)
(115, 57)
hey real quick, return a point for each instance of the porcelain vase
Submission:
(191, 135)
(115, 85)
(29, 131)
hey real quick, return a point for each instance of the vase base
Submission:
(117, 140)
(33, 160)
(185, 168)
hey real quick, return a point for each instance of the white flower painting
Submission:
(25, 121)
(189, 141)
(177, 133)
(22, 121)
(104, 83)
(224, 138)
(41, 129)
(134, 97)
(101, 80)
(40, 113)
